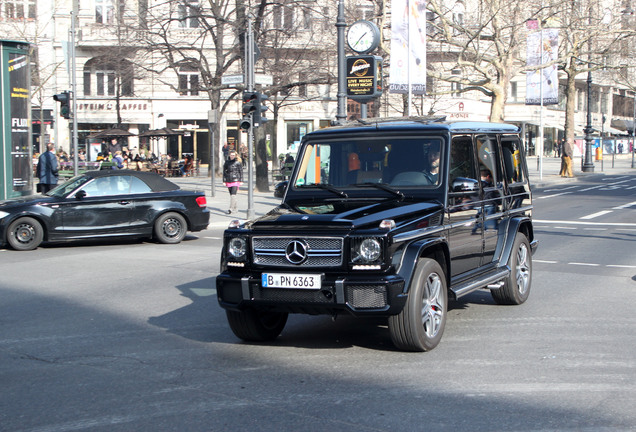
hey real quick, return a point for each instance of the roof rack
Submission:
(378, 120)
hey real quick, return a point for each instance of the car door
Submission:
(464, 207)
(493, 190)
(102, 207)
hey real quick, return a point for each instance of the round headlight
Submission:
(370, 249)
(237, 247)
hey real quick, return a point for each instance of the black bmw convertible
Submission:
(101, 204)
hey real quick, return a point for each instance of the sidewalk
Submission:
(551, 166)
(265, 201)
(220, 202)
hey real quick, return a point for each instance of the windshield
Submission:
(68, 186)
(394, 161)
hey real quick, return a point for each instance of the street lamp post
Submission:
(634, 131)
(588, 165)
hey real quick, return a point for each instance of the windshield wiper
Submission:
(326, 187)
(382, 186)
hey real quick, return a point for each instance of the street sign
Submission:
(263, 79)
(232, 79)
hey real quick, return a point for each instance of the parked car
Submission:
(389, 218)
(100, 204)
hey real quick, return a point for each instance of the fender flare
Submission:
(413, 252)
(517, 224)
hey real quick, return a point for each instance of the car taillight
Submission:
(202, 201)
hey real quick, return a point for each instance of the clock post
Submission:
(364, 72)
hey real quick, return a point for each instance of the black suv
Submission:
(386, 218)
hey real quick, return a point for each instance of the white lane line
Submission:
(552, 196)
(626, 229)
(565, 228)
(560, 189)
(597, 214)
(621, 266)
(616, 224)
(624, 206)
(595, 229)
(592, 188)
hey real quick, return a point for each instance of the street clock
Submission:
(363, 36)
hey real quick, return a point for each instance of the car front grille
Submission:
(320, 251)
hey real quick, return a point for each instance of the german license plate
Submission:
(291, 280)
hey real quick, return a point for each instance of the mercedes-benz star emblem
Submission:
(296, 252)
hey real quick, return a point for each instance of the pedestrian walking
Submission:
(566, 160)
(47, 169)
(232, 177)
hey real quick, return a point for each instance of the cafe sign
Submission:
(364, 78)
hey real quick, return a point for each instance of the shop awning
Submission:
(111, 133)
(626, 126)
(160, 133)
(47, 114)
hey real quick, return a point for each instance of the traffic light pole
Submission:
(249, 80)
(74, 91)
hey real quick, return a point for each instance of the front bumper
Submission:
(372, 296)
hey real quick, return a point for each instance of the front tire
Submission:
(170, 228)
(420, 325)
(516, 288)
(256, 326)
(25, 234)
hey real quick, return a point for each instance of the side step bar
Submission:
(492, 278)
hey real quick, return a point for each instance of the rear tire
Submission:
(420, 325)
(256, 326)
(25, 234)
(516, 288)
(170, 228)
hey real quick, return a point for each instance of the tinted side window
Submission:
(511, 159)
(461, 159)
(486, 153)
(137, 186)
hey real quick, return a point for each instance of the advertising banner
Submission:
(20, 106)
(543, 83)
(408, 46)
(364, 78)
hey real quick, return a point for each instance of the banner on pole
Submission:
(543, 83)
(408, 42)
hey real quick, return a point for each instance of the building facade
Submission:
(140, 66)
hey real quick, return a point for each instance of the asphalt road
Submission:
(129, 337)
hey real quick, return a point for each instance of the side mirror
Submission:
(80, 194)
(280, 188)
(463, 184)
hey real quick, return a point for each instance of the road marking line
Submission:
(565, 228)
(555, 195)
(560, 189)
(625, 229)
(595, 229)
(592, 188)
(587, 264)
(624, 206)
(618, 224)
(595, 215)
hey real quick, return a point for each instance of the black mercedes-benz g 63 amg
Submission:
(388, 217)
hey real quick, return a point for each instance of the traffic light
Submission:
(64, 99)
(250, 99)
(253, 109)
(259, 117)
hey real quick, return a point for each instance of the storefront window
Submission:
(296, 130)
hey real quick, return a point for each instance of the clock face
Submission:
(363, 36)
